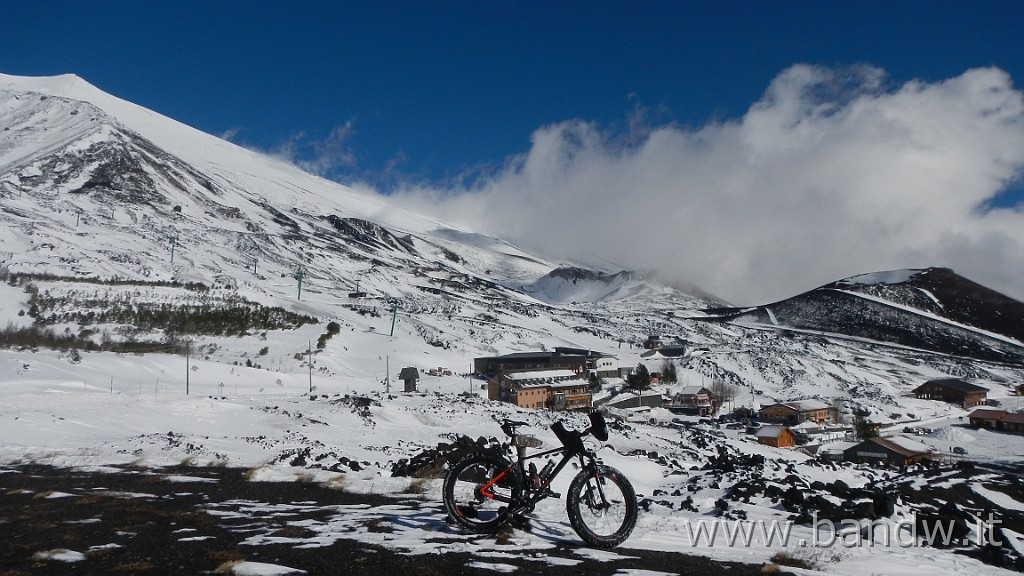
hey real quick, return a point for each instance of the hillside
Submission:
(123, 229)
(932, 309)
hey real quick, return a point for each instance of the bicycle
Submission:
(485, 490)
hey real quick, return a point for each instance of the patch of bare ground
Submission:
(137, 522)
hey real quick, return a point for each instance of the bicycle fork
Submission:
(595, 485)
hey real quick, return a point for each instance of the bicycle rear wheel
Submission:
(480, 491)
(602, 507)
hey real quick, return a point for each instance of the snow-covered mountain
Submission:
(931, 309)
(119, 224)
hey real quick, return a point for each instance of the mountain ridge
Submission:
(931, 309)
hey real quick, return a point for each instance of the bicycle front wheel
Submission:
(480, 491)
(602, 506)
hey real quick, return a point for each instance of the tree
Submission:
(722, 392)
(838, 410)
(865, 428)
(639, 380)
(668, 372)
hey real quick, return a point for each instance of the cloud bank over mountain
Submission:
(833, 172)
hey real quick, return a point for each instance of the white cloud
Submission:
(831, 173)
(316, 156)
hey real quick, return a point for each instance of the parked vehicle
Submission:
(959, 450)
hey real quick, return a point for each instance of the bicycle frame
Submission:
(534, 494)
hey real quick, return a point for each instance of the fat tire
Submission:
(482, 466)
(577, 508)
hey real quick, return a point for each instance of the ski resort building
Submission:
(796, 412)
(542, 390)
(997, 420)
(578, 360)
(692, 400)
(896, 450)
(952, 390)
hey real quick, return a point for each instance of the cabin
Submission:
(797, 411)
(409, 375)
(541, 389)
(898, 451)
(694, 400)
(997, 420)
(953, 391)
(777, 436)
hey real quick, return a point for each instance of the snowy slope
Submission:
(95, 188)
(931, 309)
(110, 410)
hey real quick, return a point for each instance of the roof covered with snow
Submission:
(770, 431)
(903, 445)
(954, 384)
(552, 378)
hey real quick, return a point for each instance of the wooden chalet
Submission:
(777, 436)
(896, 450)
(952, 390)
(796, 412)
(997, 420)
(694, 400)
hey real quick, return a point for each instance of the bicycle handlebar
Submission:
(598, 429)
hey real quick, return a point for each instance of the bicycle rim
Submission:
(602, 508)
(479, 490)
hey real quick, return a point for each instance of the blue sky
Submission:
(784, 144)
(436, 89)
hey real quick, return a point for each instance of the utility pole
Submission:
(299, 276)
(394, 314)
(188, 354)
(254, 259)
(309, 360)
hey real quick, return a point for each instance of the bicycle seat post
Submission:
(520, 452)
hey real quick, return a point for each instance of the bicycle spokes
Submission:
(478, 491)
(602, 507)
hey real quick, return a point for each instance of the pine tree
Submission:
(639, 380)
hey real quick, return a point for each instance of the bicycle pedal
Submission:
(548, 493)
(521, 521)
